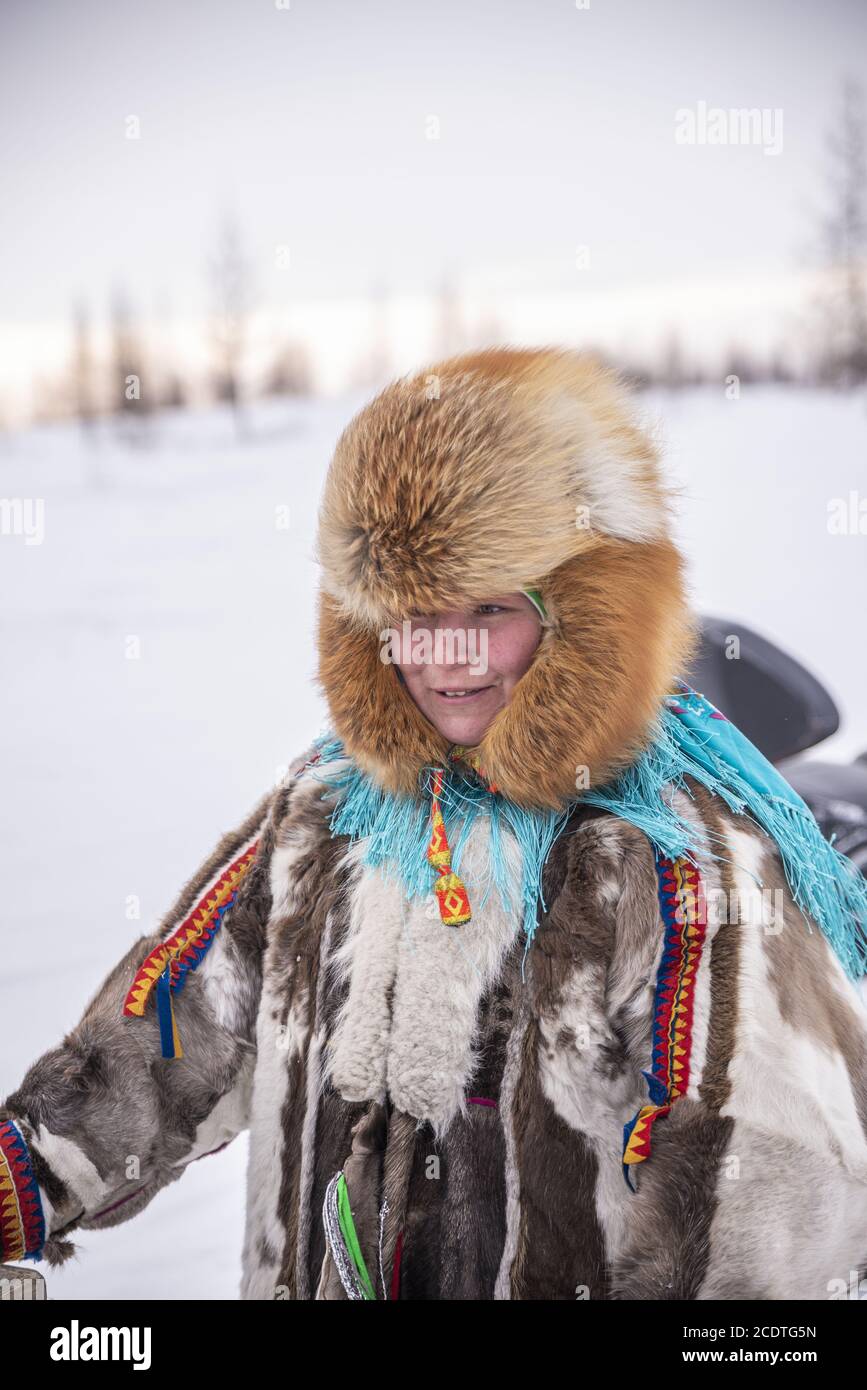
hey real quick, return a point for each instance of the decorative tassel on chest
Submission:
(451, 894)
(450, 890)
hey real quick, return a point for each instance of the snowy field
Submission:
(158, 663)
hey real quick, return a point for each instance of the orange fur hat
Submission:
(488, 473)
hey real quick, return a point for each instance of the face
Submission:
(462, 677)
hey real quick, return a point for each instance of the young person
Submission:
(533, 979)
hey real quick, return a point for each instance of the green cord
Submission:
(347, 1227)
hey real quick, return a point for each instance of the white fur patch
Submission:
(421, 1050)
(784, 1081)
(73, 1166)
(368, 958)
(265, 1162)
(218, 969)
(229, 1117)
(442, 974)
(613, 483)
(788, 1225)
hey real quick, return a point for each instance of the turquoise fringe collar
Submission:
(399, 829)
(691, 738)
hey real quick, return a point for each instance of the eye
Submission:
(491, 608)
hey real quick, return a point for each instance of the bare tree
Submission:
(449, 333)
(671, 370)
(737, 361)
(231, 283)
(780, 368)
(83, 369)
(843, 359)
(171, 387)
(129, 398)
(374, 363)
(290, 373)
(83, 389)
(487, 330)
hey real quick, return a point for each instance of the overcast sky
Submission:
(556, 129)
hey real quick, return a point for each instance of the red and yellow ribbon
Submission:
(450, 890)
(166, 967)
(684, 913)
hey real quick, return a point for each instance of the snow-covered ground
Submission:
(158, 664)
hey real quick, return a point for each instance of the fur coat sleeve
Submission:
(106, 1119)
(752, 1183)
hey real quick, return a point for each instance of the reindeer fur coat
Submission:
(476, 1113)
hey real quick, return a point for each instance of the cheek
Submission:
(412, 677)
(510, 652)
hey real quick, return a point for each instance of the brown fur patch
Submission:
(668, 1255)
(560, 1243)
(294, 953)
(715, 1087)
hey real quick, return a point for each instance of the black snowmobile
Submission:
(785, 710)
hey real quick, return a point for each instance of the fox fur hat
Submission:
(489, 473)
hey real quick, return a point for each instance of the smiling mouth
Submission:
(459, 697)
